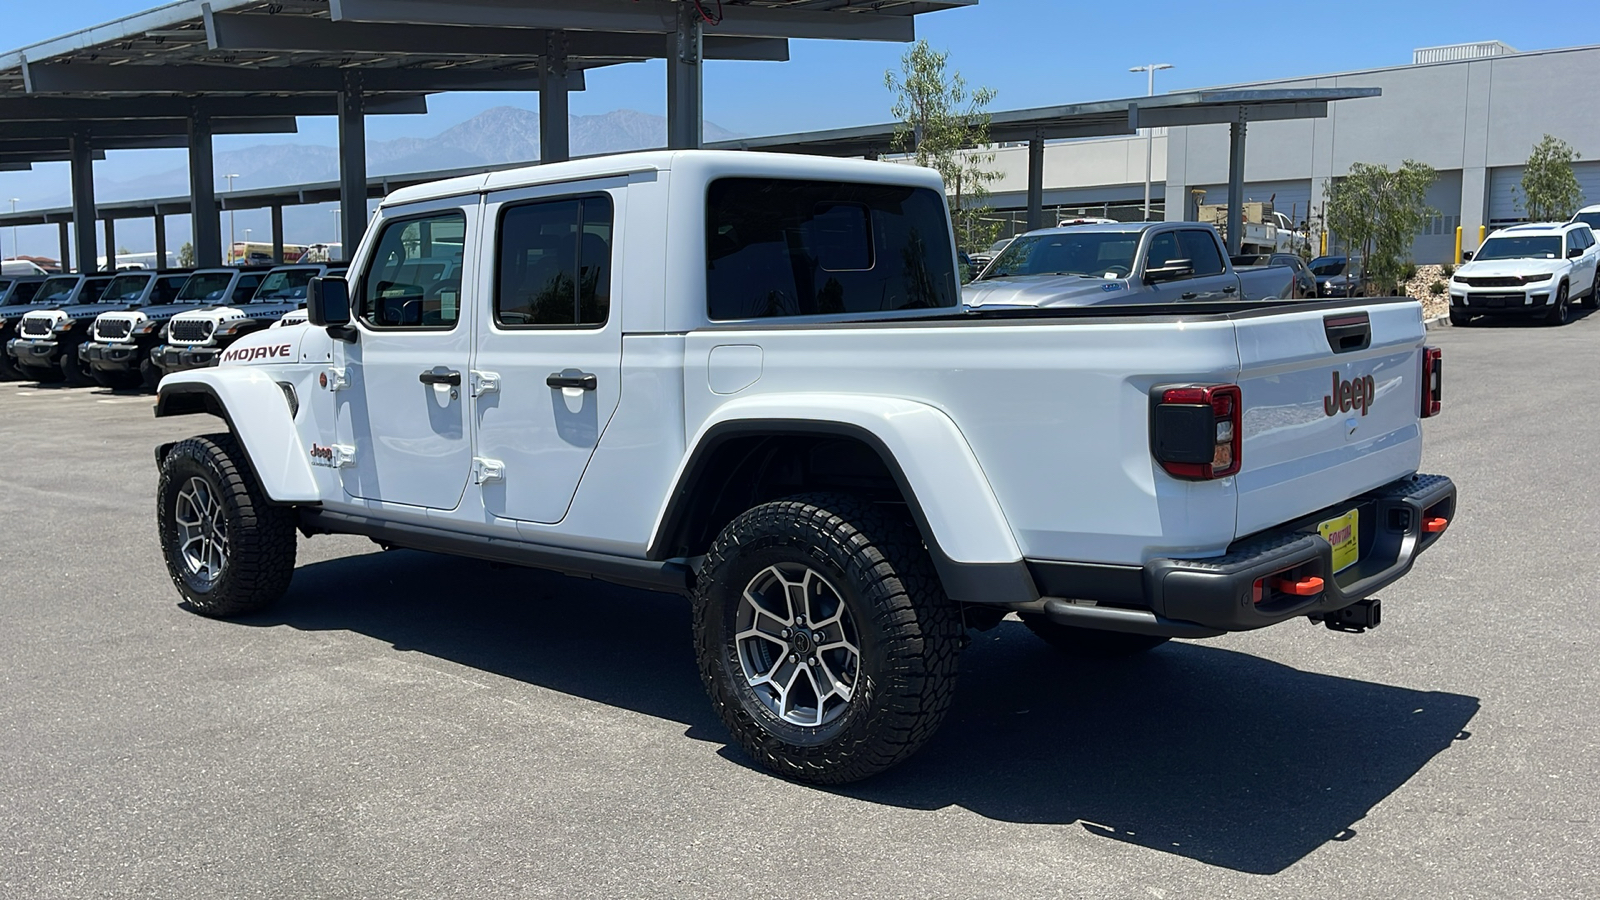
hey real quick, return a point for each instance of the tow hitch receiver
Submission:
(1353, 619)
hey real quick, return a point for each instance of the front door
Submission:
(1210, 281)
(548, 369)
(403, 413)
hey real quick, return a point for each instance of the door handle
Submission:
(1188, 295)
(441, 376)
(581, 380)
(1230, 289)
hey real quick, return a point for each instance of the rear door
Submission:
(1331, 407)
(547, 374)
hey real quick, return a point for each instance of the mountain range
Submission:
(504, 134)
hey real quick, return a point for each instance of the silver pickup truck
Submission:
(1122, 263)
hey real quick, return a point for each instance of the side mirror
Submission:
(1574, 252)
(1174, 270)
(328, 306)
(1466, 256)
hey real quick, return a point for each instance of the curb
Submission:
(1436, 321)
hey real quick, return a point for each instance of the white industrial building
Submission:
(1471, 111)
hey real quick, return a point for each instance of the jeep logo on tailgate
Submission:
(1357, 393)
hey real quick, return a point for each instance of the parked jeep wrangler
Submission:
(16, 299)
(46, 345)
(774, 403)
(118, 351)
(259, 298)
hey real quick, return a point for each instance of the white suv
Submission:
(1527, 270)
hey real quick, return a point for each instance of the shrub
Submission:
(1447, 270)
(1437, 288)
(1408, 271)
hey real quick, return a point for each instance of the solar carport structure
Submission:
(178, 74)
(1105, 118)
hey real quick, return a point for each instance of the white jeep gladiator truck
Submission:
(749, 378)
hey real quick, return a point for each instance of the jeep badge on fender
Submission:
(1357, 393)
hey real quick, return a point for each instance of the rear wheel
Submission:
(1561, 311)
(1592, 300)
(227, 549)
(1090, 642)
(824, 638)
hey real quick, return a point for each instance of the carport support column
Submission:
(685, 120)
(1036, 181)
(277, 234)
(1235, 185)
(83, 200)
(66, 246)
(352, 164)
(161, 241)
(111, 244)
(554, 143)
(203, 213)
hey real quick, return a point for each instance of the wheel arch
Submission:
(908, 449)
(267, 432)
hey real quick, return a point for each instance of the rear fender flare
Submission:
(257, 412)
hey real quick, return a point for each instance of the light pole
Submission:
(1149, 133)
(15, 250)
(230, 216)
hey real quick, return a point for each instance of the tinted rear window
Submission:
(778, 247)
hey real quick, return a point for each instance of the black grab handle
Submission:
(1348, 332)
(436, 376)
(581, 380)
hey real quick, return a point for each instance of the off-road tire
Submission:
(73, 371)
(117, 381)
(41, 374)
(260, 536)
(149, 374)
(1091, 643)
(1459, 319)
(8, 367)
(1592, 299)
(1561, 311)
(909, 634)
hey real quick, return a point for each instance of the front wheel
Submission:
(824, 638)
(227, 549)
(1459, 319)
(1561, 311)
(73, 371)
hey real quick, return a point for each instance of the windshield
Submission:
(1542, 247)
(23, 293)
(1591, 219)
(1329, 266)
(125, 289)
(56, 290)
(205, 287)
(1091, 254)
(285, 284)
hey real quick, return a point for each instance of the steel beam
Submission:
(104, 130)
(1174, 117)
(1036, 182)
(16, 166)
(77, 109)
(66, 246)
(206, 220)
(277, 234)
(685, 84)
(83, 200)
(80, 78)
(161, 239)
(646, 16)
(1236, 133)
(111, 244)
(296, 34)
(554, 142)
(352, 162)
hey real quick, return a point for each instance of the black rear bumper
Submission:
(1234, 592)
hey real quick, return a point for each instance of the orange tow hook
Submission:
(1309, 586)
(1435, 524)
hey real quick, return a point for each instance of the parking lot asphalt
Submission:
(411, 725)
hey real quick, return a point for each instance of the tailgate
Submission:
(1300, 457)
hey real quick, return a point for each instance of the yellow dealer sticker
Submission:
(1344, 535)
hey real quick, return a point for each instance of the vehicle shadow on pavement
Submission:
(1191, 749)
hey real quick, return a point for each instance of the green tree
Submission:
(185, 255)
(1379, 212)
(1549, 191)
(944, 126)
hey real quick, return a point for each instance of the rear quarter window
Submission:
(781, 247)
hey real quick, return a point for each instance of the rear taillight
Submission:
(1432, 381)
(1195, 431)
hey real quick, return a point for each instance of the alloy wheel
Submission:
(202, 531)
(798, 645)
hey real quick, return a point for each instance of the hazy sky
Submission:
(1034, 52)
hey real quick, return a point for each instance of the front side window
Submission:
(125, 289)
(167, 288)
(555, 263)
(245, 288)
(414, 277)
(778, 247)
(1200, 248)
(93, 290)
(205, 287)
